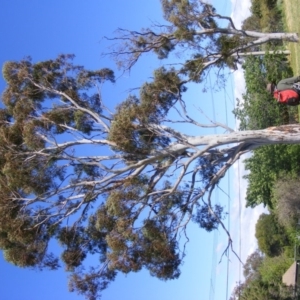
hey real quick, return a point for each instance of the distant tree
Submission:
(271, 237)
(272, 269)
(258, 290)
(263, 279)
(257, 109)
(267, 14)
(252, 288)
(252, 266)
(286, 195)
(129, 200)
(252, 23)
(266, 166)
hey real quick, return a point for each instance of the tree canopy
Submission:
(130, 199)
(271, 237)
(263, 277)
(193, 26)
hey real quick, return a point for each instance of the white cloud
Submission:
(243, 218)
(240, 11)
(243, 221)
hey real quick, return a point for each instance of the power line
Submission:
(213, 270)
(240, 223)
(215, 241)
(213, 267)
(228, 204)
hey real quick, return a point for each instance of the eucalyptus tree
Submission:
(130, 199)
(193, 27)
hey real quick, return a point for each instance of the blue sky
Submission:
(44, 29)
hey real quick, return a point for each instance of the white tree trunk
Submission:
(285, 134)
(255, 53)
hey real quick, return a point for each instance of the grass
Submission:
(291, 11)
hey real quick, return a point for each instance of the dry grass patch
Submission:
(291, 9)
(292, 21)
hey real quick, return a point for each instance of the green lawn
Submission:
(292, 21)
(291, 9)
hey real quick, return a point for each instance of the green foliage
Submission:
(72, 238)
(267, 13)
(191, 25)
(27, 125)
(252, 23)
(208, 218)
(184, 14)
(128, 129)
(150, 245)
(207, 169)
(273, 268)
(287, 202)
(23, 244)
(88, 284)
(252, 266)
(29, 86)
(263, 279)
(257, 290)
(258, 109)
(266, 166)
(271, 237)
